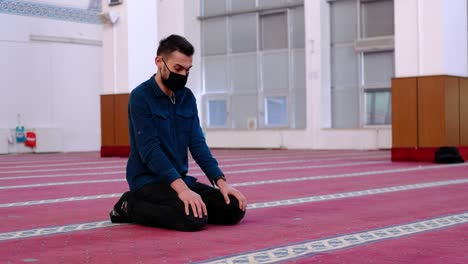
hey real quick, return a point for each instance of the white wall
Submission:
(193, 34)
(407, 38)
(129, 46)
(115, 51)
(171, 17)
(51, 84)
(142, 41)
(430, 37)
(455, 37)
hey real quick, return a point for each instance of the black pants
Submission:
(158, 205)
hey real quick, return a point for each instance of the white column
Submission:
(171, 17)
(129, 45)
(142, 40)
(430, 37)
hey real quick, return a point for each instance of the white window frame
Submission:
(260, 93)
(263, 115)
(206, 110)
(365, 103)
(361, 46)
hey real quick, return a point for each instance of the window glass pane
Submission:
(237, 5)
(217, 113)
(211, 7)
(244, 73)
(377, 18)
(276, 111)
(244, 33)
(269, 3)
(215, 71)
(343, 16)
(298, 32)
(345, 108)
(299, 69)
(214, 38)
(244, 109)
(378, 108)
(378, 68)
(344, 66)
(274, 33)
(275, 71)
(300, 109)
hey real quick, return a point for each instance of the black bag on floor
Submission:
(448, 155)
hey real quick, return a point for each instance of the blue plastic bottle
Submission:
(19, 131)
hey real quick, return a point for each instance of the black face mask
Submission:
(175, 81)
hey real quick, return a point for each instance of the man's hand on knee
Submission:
(227, 190)
(193, 200)
(190, 199)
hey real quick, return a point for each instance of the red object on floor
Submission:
(421, 154)
(464, 153)
(115, 151)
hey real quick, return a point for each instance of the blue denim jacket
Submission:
(160, 135)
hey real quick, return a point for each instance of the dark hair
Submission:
(175, 43)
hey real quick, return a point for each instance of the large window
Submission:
(362, 62)
(253, 64)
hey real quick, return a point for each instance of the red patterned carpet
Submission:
(304, 207)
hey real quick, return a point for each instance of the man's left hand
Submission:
(227, 190)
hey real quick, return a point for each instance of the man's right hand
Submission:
(190, 199)
(193, 199)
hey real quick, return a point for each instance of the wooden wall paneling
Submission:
(452, 111)
(404, 113)
(464, 112)
(438, 111)
(107, 120)
(431, 111)
(122, 137)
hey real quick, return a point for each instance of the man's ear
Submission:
(157, 61)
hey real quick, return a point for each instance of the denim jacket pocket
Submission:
(162, 121)
(160, 115)
(184, 120)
